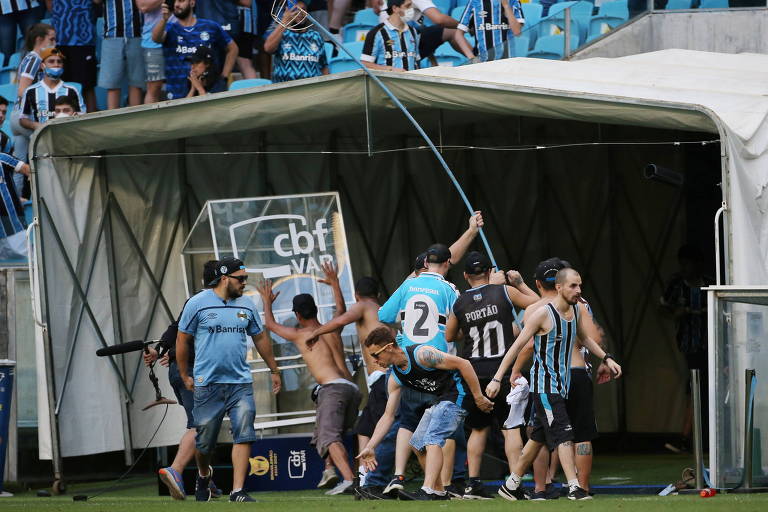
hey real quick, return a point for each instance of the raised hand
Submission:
(264, 288)
(476, 220)
(331, 272)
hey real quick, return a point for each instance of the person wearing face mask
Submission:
(37, 102)
(393, 45)
(64, 107)
(298, 53)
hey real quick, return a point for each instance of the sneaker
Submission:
(421, 495)
(538, 496)
(455, 492)
(240, 496)
(552, 492)
(172, 479)
(341, 488)
(329, 479)
(373, 493)
(397, 484)
(477, 491)
(512, 494)
(215, 491)
(202, 488)
(577, 493)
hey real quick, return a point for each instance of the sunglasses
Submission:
(241, 279)
(375, 355)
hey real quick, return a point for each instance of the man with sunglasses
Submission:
(220, 320)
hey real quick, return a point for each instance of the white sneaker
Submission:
(329, 479)
(340, 488)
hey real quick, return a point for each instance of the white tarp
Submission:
(683, 90)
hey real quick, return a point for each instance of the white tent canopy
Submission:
(153, 160)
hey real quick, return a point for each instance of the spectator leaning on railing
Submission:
(299, 52)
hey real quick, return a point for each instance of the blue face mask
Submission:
(54, 72)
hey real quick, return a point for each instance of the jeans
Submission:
(438, 424)
(385, 453)
(215, 400)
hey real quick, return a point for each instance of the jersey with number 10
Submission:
(486, 318)
(421, 305)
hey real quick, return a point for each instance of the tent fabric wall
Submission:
(160, 163)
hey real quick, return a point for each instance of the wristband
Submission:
(496, 380)
(608, 356)
(276, 371)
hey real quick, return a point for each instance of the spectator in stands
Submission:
(6, 143)
(76, 39)
(121, 55)
(65, 106)
(318, 9)
(202, 73)
(154, 62)
(16, 15)
(336, 10)
(13, 243)
(246, 38)
(491, 21)
(182, 37)
(38, 101)
(393, 45)
(6, 147)
(298, 53)
(430, 37)
(223, 12)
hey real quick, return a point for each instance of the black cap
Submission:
(547, 269)
(202, 53)
(395, 3)
(304, 305)
(421, 262)
(438, 253)
(477, 263)
(225, 267)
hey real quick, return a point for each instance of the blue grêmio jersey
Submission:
(122, 19)
(421, 305)
(551, 370)
(299, 55)
(221, 330)
(387, 46)
(14, 6)
(487, 20)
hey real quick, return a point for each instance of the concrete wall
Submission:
(724, 31)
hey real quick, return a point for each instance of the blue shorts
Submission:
(212, 402)
(121, 58)
(185, 397)
(413, 403)
(438, 423)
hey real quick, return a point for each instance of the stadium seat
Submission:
(601, 24)
(552, 47)
(366, 16)
(714, 4)
(520, 46)
(9, 92)
(460, 3)
(447, 56)
(355, 31)
(555, 23)
(342, 62)
(616, 9)
(443, 6)
(457, 12)
(678, 4)
(248, 82)
(532, 13)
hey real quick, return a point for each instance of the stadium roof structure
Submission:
(150, 161)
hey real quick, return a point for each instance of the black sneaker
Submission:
(512, 494)
(397, 484)
(240, 496)
(538, 496)
(372, 493)
(552, 492)
(577, 493)
(421, 495)
(477, 491)
(455, 492)
(203, 488)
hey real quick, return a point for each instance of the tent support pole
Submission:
(368, 119)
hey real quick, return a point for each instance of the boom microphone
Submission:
(122, 348)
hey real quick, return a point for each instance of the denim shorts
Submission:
(185, 397)
(121, 58)
(437, 424)
(212, 402)
(154, 64)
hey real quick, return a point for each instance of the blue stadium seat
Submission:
(366, 16)
(714, 4)
(532, 13)
(342, 62)
(9, 92)
(617, 9)
(555, 23)
(447, 56)
(552, 47)
(355, 31)
(601, 24)
(443, 6)
(248, 82)
(456, 12)
(678, 4)
(460, 3)
(520, 46)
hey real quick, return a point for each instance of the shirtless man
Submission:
(579, 401)
(338, 398)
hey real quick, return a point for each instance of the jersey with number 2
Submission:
(421, 305)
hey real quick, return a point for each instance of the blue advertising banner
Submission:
(6, 393)
(285, 463)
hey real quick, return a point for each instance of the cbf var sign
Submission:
(283, 238)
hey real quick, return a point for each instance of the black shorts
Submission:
(374, 408)
(245, 43)
(429, 39)
(580, 406)
(551, 424)
(478, 419)
(80, 65)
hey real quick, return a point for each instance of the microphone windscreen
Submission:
(122, 348)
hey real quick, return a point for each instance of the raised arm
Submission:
(459, 247)
(158, 32)
(267, 298)
(433, 358)
(354, 314)
(367, 455)
(331, 272)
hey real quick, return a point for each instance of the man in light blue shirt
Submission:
(220, 320)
